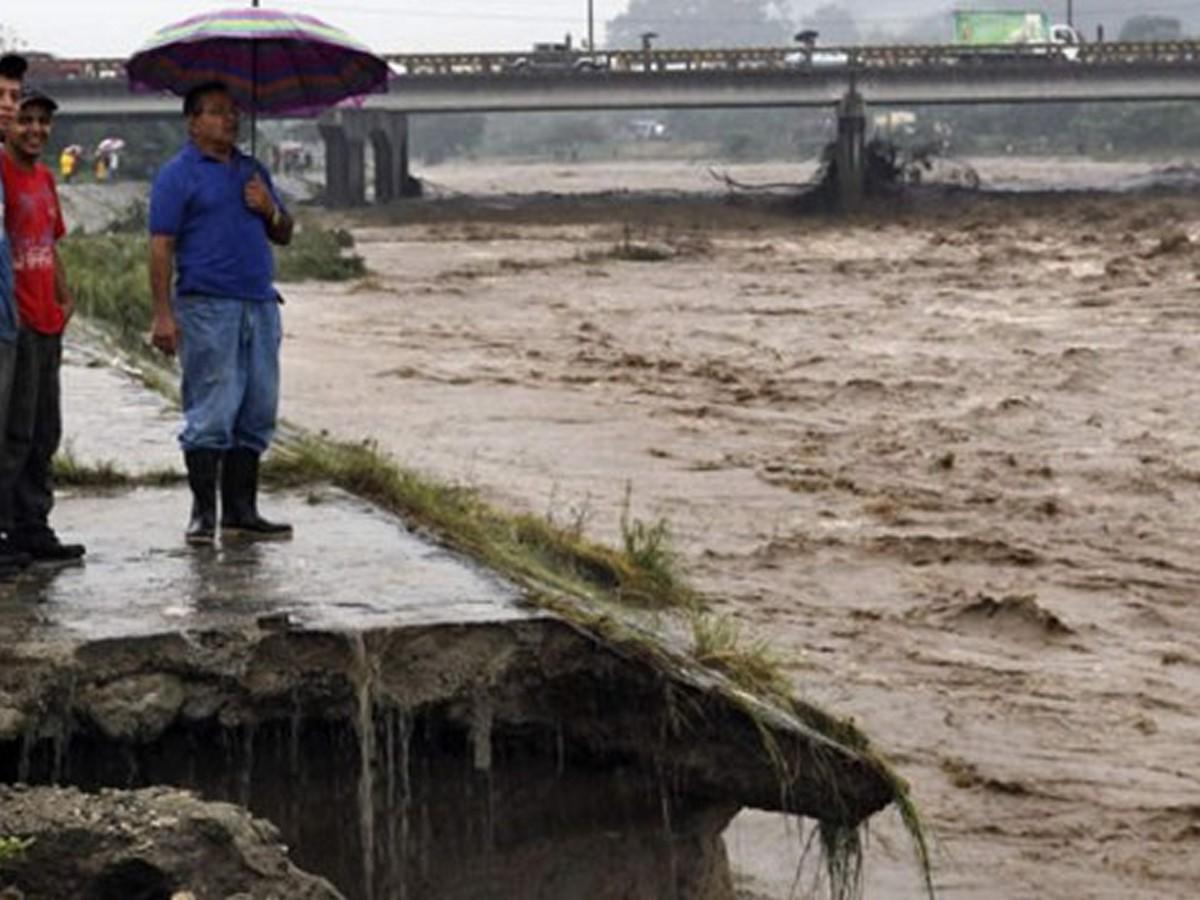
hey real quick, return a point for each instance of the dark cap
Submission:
(13, 65)
(31, 96)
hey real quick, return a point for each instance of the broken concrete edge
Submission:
(564, 593)
(151, 842)
(541, 672)
(771, 713)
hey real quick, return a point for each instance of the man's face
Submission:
(26, 137)
(215, 124)
(10, 90)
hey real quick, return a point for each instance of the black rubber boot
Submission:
(202, 467)
(43, 545)
(239, 498)
(12, 558)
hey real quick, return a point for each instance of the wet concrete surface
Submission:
(109, 416)
(349, 566)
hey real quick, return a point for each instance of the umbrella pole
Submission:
(254, 94)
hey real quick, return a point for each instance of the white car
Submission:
(816, 58)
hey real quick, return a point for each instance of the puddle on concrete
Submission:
(349, 566)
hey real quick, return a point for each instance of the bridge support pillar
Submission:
(345, 168)
(851, 155)
(393, 179)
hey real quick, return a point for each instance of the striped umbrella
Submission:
(273, 62)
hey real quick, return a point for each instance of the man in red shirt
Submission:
(12, 71)
(34, 222)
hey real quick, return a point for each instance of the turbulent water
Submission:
(943, 456)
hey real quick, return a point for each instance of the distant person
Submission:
(34, 222)
(67, 161)
(213, 215)
(12, 70)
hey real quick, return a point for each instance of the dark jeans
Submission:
(34, 431)
(8, 364)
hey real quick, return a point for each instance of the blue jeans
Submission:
(229, 353)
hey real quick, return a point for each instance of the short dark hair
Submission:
(13, 66)
(193, 98)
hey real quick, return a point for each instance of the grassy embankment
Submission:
(558, 566)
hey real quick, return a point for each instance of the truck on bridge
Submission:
(1008, 31)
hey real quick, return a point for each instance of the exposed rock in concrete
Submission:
(428, 761)
(155, 844)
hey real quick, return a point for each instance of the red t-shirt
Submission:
(34, 222)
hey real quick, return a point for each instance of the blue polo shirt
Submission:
(8, 298)
(221, 247)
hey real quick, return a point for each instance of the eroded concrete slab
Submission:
(409, 724)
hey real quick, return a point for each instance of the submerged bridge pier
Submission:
(346, 134)
(850, 157)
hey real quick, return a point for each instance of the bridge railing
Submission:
(740, 59)
(891, 56)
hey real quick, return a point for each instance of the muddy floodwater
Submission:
(945, 459)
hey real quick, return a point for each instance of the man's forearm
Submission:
(62, 290)
(280, 227)
(162, 269)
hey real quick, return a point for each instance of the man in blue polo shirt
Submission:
(213, 215)
(12, 70)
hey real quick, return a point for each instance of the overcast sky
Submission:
(118, 27)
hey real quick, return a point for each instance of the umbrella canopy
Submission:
(110, 145)
(272, 61)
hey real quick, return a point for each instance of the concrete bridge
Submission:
(847, 78)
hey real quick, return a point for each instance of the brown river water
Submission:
(943, 457)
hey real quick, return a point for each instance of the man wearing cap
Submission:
(213, 217)
(34, 222)
(12, 70)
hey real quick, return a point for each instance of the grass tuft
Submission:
(717, 643)
(525, 547)
(69, 471)
(319, 254)
(14, 847)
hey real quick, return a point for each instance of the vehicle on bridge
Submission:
(1006, 32)
(558, 57)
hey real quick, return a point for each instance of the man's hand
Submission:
(258, 198)
(164, 334)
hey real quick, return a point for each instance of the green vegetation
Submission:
(109, 275)
(528, 548)
(69, 471)
(717, 642)
(319, 254)
(14, 847)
